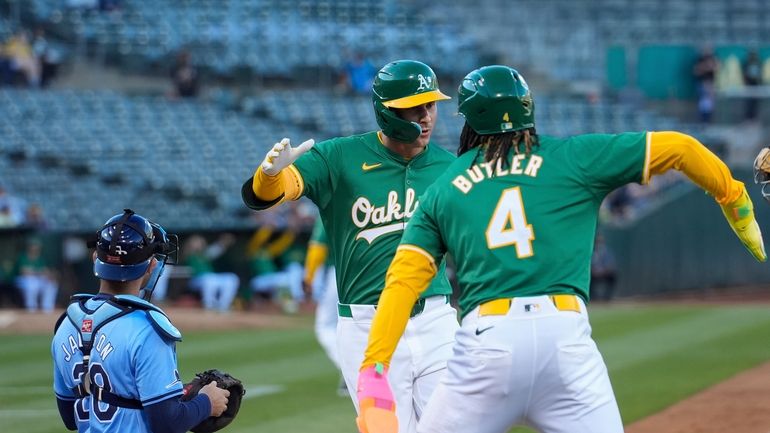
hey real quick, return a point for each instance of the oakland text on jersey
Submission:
(365, 213)
(486, 170)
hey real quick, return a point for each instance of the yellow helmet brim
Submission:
(415, 100)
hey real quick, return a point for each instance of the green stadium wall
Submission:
(686, 244)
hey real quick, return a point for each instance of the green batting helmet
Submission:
(403, 84)
(496, 99)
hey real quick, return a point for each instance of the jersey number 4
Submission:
(508, 225)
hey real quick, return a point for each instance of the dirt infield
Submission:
(737, 405)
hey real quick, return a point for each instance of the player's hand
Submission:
(307, 289)
(762, 171)
(740, 216)
(217, 397)
(283, 155)
(377, 408)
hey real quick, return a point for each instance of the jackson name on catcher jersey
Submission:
(129, 358)
(537, 215)
(366, 193)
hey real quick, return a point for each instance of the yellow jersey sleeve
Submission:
(408, 276)
(316, 255)
(288, 182)
(684, 153)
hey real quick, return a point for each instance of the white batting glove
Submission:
(283, 155)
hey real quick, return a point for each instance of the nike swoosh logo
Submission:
(367, 167)
(481, 331)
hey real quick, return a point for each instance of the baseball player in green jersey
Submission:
(367, 187)
(518, 212)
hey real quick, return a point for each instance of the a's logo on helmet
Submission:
(426, 83)
(119, 250)
(526, 104)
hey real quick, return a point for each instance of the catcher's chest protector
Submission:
(88, 322)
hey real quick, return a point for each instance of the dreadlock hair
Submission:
(496, 146)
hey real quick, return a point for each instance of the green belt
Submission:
(344, 310)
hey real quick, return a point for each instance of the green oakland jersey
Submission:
(366, 194)
(527, 227)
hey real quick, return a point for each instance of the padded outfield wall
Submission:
(686, 244)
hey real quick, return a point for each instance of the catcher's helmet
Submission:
(126, 245)
(496, 99)
(403, 84)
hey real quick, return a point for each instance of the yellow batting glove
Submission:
(740, 216)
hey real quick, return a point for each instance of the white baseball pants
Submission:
(534, 365)
(419, 360)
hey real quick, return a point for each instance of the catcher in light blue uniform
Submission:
(115, 366)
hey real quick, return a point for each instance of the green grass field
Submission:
(657, 355)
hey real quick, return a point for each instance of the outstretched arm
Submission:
(674, 150)
(276, 179)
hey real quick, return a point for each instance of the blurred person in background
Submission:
(7, 220)
(184, 76)
(36, 279)
(217, 289)
(48, 58)
(320, 283)
(6, 73)
(18, 50)
(752, 76)
(11, 209)
(704, 72)
(358, 75)
(110, 5)
(76, 265)
(34, 218)
(277, 258)
(9, 294)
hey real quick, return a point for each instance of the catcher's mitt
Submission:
(762, 171)
(224, 381)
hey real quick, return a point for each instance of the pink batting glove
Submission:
(377, 407)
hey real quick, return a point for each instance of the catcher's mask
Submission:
(125, 246)
(761, 173)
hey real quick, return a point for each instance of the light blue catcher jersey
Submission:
(68, 371)
(130, 359)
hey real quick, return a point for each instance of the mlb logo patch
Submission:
(87, 325)
(532, 308)
(113, 259)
